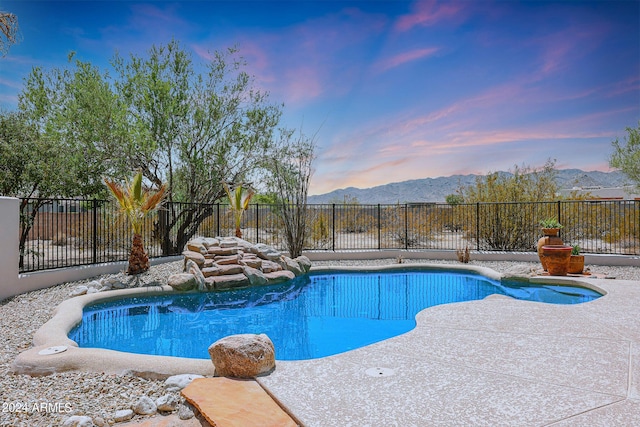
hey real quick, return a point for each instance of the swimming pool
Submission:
(315, 315)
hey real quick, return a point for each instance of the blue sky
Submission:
(397, 89)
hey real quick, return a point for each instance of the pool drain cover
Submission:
(53, 350)
(380, 372)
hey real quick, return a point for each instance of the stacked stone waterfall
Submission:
(230, 262)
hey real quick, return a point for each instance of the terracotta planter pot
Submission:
(550, 238)
(557, 259)
(576, 264)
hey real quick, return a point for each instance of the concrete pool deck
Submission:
(497, 361)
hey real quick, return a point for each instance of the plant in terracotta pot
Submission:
(556, 258)
(576, 262)
(550, 228)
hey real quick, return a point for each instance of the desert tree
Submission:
(193, 129)
(626, 154)
(75, 109)
(291, 165)
(191, 126)
(505, 224)
(9, 31)
(31, 167)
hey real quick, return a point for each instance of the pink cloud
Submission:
(405, 57)
(298, 64)
(562, 49)
(427, 13)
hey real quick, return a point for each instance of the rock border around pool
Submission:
(221, 263)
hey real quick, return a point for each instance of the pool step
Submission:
(230, 402)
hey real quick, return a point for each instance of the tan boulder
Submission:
(229, 259)
(216, 250)
(195, 256)
(230, 269)
(229, 281)
(192, 267)
(255, 276)
(280, 276)
(243, 356)
(266, 252)
(252, 262)
(183, 281)
(211, 271)
(304, 263)
(270, 266)
(210, 241)
(292, 265)
(200, 248)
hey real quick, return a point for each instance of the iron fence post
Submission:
(257, 222)
(333, 227)
(379, 229)
(406, 226)
(217, 219)
(477, 226)
(95, 231)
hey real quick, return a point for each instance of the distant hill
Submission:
(437, 189)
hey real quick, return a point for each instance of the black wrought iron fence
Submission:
(68, 232)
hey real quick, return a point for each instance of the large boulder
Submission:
(197, 247)
(211, 271)
(243, 356)
(270, 266)
(226, 260)
(291, 265)
(228, 281)
(183, 282)
(266, 252)
(210, 241)
(216, 250)
(280, 276)
(251, 260)
(195, 256)
(192, 268)
(230, 269)
(304, 263)
(255, 276)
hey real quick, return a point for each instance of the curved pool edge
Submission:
(69, 313)
(484, 271)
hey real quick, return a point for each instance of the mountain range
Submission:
(437, 189)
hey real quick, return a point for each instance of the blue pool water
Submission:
(312, 316)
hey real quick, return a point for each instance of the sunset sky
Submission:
(397, 90)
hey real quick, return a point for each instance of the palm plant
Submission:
(135, 204)
(239, 200)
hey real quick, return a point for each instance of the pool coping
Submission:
(54, 333)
